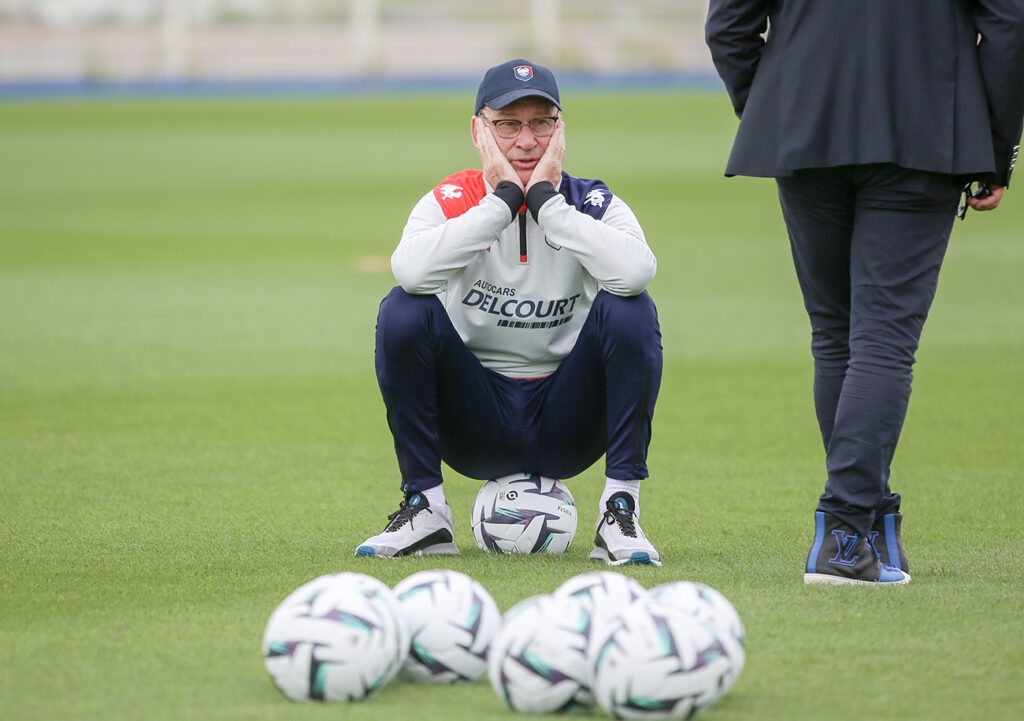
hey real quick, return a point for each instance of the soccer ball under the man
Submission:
(538, 660)
(657, 661)
(524, 513)
(339, 637)
(452, 619)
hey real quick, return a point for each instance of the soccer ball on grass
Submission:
(337, 638)
(709, 606)
(655, 661)
(524, 513)
(538, 660)
(603, 594)
(452, 620)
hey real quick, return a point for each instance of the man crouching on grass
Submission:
(521, 338)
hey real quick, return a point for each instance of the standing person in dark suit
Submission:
(871, 116)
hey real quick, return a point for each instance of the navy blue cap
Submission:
(515, 79)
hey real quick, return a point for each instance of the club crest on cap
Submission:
(523, 72)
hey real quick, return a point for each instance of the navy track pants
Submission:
(442, 404)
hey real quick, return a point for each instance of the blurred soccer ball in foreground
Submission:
(337, 638)
(656, 661)
(710, 606)
(603, 594)
(524, 513)
(538, 661)
(452, 619)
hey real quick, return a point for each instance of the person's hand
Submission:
(549, 167)
(494, 163)
(990, 202)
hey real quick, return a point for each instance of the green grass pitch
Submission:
(190, 426)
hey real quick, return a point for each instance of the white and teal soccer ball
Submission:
(452, 620)
(524, 513)
(538, 660)
(602, 593)
(655, 661)
(710, 606)
(339, 637)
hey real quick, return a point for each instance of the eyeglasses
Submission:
(508, 129)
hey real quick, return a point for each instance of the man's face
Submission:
(524, 150)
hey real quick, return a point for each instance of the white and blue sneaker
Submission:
(840, 555)
(415, 529)
(620, 540)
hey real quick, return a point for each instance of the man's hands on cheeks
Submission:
(495, 165)
(549, 168)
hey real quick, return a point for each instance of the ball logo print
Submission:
(524, 513)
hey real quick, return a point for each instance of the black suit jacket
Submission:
(823, 83)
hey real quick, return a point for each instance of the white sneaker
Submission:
(620, 540)
(415, 529)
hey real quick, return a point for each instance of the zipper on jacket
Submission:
(522, 237)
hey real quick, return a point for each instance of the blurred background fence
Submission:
(96, 41)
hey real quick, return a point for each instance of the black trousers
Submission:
(868, 242)
(442, 404)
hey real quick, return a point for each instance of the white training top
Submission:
(518, 290)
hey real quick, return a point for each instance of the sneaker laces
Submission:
(403, 515)
(623, 518)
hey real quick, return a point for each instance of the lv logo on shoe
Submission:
(847, 546)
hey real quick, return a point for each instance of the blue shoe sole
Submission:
(365, 551)
(640, 558)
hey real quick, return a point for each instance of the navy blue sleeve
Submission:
(587, 196)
